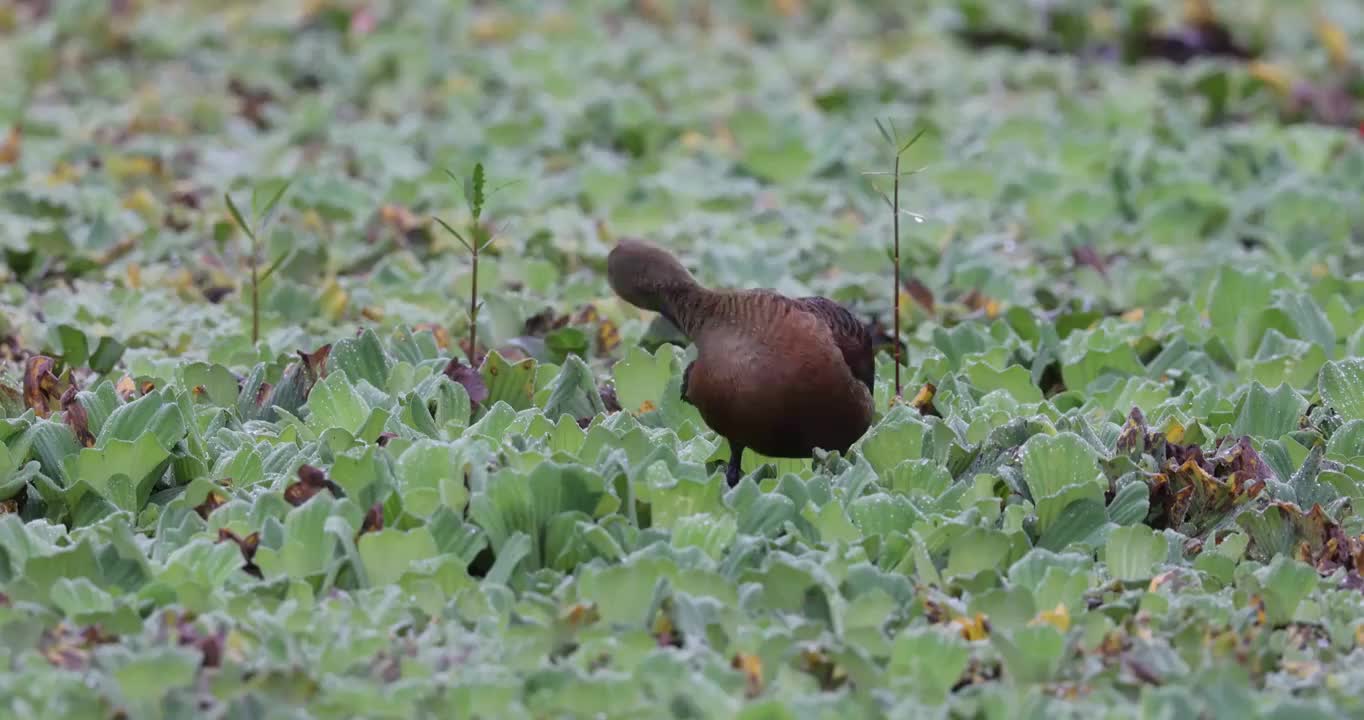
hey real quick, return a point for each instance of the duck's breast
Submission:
(779, 386)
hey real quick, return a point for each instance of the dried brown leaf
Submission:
(212, 501)
(1087, 256)
(311, 481)
(374, 519)
(40, 385)
(920, 293)
(248, 546)
(77, 417)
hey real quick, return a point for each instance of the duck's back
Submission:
(771, 375)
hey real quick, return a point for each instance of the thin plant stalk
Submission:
(892, 138)
(895, 223)
(254, 236)
(255, 291)
(473, 308)
(479, 238)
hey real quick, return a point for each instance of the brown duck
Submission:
(779, 375)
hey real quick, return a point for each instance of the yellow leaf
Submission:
(972, 628)
(924, 398)
(493, 27)
(1334, 40)
(142, 202)
(1303, 669)
(1102, 22)
(1058, 617)
(1134, 315)
(125, 387)
(1159, 580)
(580, 614)
(457, 85)
(906, 302)
(134, 276)
(123, 167)
(752, 668)
(1175, 432)
(608, 336)
(313, 221)
(1272, 75)
(557, 22)
(1199, 11)
(181, 279)
(646, 406)
(62, 174)
(334, 299)
(9, 151)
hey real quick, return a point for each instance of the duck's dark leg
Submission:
(733, 473)
(686, 379)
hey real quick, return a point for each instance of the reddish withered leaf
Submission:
(469, 378)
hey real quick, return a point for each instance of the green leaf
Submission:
(1082, 521)
(1015, 379)
(1287, 582)
(1059, 470)
(218, 383)
(156, 671)
(80, 597)
(74, 348)
(1235, 299)
(365, 474)
(1133, 551)
(515, 503)
(978, 549)
(306, 549)
(780, 162)
(361, 358)
(430, 475)
(154, 413)
(265, 196)
(1342, 387)
(573, 392)
(1269, 414)
(930, 660)
(1131, 503)
(120, 470)
(1031, 654)
(237, 216)
(106, 355)
(641, 378)
(389, 553)
(513, 384)
(334, 403)
(898, 436)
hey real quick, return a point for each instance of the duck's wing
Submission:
(852, 335)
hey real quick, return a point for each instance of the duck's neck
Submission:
(690, 307)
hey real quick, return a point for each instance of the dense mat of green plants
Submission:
(1124, 481)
